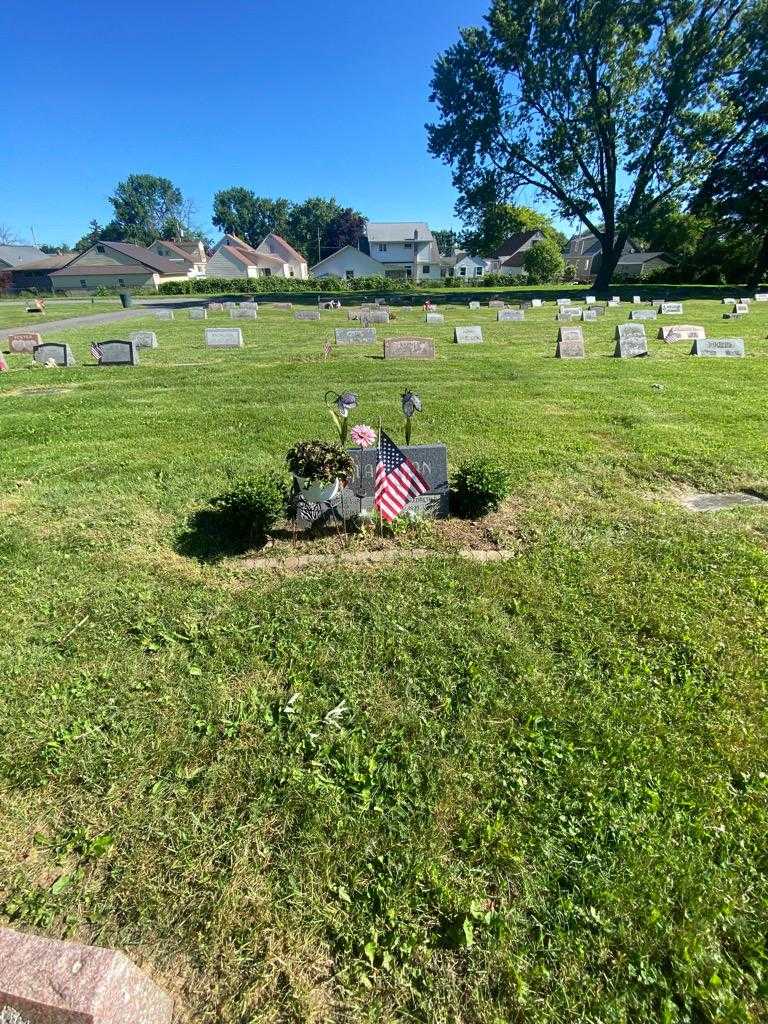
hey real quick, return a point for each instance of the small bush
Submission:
(252, 507)
(478, 488)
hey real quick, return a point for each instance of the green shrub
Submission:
(253, 505)
(478, 488)
(544, 263)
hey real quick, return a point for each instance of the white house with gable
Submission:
(404, 248)
(273, 257)
(348, 262)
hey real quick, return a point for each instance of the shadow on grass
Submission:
(212, 534)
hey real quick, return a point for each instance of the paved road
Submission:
(47, 326)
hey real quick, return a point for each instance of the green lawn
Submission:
(530, 791)
(14, 314)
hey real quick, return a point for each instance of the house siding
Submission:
(345, 260)
(131, 279)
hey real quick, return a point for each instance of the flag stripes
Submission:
(397, 480)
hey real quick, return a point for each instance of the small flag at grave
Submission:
(96, 351)
(327, 349)
(397, 479)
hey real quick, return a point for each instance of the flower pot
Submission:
(317, 490)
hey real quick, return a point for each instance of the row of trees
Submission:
(617, 114)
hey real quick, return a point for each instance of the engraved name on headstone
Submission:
(719, 347)
(24, 341)
(570, 313)
(570, 343)
(682, 332)
(118, 352)
(409, 347)
(467, 335)
(510, 314)
(355, 335)
(307, 314)
(642, 314)
(671, 308)
(630, 341)
(224, 337)
(434, 318)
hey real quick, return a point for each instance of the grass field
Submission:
(532, 791)
(14, 314)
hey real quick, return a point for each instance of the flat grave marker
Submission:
(468, 335)
(719, 347)
(143, 339)
(409, 347)
(355, 335)
(24, 341)
(307, 314)
(224, 337)
(682, 332)
(631, 341)
(515, 315)
(433, 318)
(570, 343)
(59, 352)
(643, 314)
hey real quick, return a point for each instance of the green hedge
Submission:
(285, 285)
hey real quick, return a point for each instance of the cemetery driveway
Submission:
(79, 321)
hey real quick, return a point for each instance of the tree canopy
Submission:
(596, 106)
(544, 262)
(489, 220)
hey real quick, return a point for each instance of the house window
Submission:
(267, 272)
(462, 271)
(408, 245)
(99, 248)
(478, 271)
(349, 274)
(121, 281)
(83, 283)
(425, 269)
(290, 272)
(382, 246)
(408, 272)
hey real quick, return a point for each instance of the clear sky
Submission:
(314, 97)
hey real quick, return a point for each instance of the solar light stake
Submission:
(411, 403)
(340, 407)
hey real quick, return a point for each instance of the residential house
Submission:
(116, 265)
(188, 253)
(584, 254)
(511, 252)
(348, 262)
(405, 249)
(12, 255)
(235, 258)
(461, 264)
(36, 274)
(640, 264)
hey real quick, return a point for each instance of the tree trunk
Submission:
(609, 259)
(760, 269)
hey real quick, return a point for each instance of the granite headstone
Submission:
(355, 335)
(719, 347)
(467, 335)
(143, 339)
(570, 343)
(409, 347)
(224, 337)
(60, 353)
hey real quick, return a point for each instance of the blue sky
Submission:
(317, 97)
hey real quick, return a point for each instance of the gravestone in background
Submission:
(636, 300)
(434, 318)
(430, 459)
(563, 302)
(378, 316)
(281, 305)
(597, 310)
(56, 350)
(729, 301)
(671, 308)
(215, 307)
(682, 332)
(409, 347)
(355, 335)
(642, 314)
(570, 343)
(307, 314)
(630, 341)
(474, 304)
(535, 303)
(761, 296)
(741, 307)
(467, 335)
(590, 314)
(224, 337)
(198, 313)
(244, 313)
(24, 341)
(515, 315)
(118, 352)
(569, 313)
(143, 339)
(590, 300)
(616, 299)
(496, 304)
(719, 347)
(164, 314)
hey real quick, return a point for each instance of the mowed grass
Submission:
(532, 791)
(14, 313)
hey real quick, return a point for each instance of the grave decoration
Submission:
(319, 469)
(340, 406)
(410, 404)
(52, 352)
(3, 364)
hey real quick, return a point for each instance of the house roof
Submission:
(644, 257)
(52, 262)
(145, 256)
(191, 246)
(102, 270)
(14, 254)
(290, 254)
(176, 247)
(397, 231)
(344, 248)
(250, 257)
(516, 260)
(512, 244)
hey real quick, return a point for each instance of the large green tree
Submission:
(318, 227)
(593, 104)
(148, 207)
(489, 220)
(239, 211)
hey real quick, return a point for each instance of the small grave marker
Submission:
(570, 313)
(636, 300)
(378, 316)
(24, 341)
(434, 318)
(590, 300)
(589, 314)
(515, 315)
(118, 352)
(143, 339)
(496, 304)
(355, 335)
(682, 332)
(307, 314)
(563, 302)
(535, 303)
(761, 297)
(474, 305)
(409, 347)
(224, 337)
(244, 313)
(215, 307)
(570, 343)
(729, 301)
(630, 341)
(741, 307)
(719, 347)
(164, 314)
(281, 305)
(60, 353)
(468, 335)
(198, 313)
(643, 314)
(671, 308)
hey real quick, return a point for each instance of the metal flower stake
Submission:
(411, 404)
(340, 407)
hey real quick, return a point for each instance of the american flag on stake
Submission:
(397, 479)
(96, 352)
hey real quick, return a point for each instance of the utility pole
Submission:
(319, 257)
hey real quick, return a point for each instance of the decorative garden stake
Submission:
(340, 407)
(411, 404)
